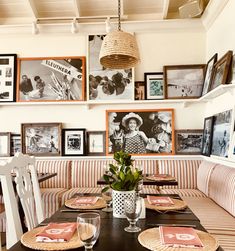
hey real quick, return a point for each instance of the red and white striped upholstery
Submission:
(183, 192)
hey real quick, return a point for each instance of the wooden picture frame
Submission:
(8, 69)
(5, 139)
(207, 136)
(51, 79)
(188, 141)
(41, 139)
(183, 81)
(15, 144)
(221, 71)
(96, 143)
(73, 141)
(140, 90)
(154, 85)
(209, 74)
(106, 84)
(140, 132)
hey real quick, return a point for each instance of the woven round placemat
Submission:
(150, 239)
(99, 204)
(178, 205)
(160, 178)
(29, 240)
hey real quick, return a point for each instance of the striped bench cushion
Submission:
(222, 187)
(227, 242)
(61, 167)
(185, 172)
(183, 192)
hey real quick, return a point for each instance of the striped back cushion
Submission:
(61, 167)
(222, 187)
(203, 176)
(185, 171)
(148, 166)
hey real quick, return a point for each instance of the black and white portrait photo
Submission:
(41, 139)
(139, 90)
(207, 136)
(51, 79)
(15, 144)
(140, 132)
(106, 84)
(73, 142)
(188, 141)
(222, 133)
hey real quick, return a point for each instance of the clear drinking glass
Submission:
(132, 209)
(88, 228)
(107, 196)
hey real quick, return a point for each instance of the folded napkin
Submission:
(57, 232)
(179, 237)
(91, 200)
(160, 200)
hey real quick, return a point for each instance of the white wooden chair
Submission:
(28, 191)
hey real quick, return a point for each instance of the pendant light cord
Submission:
(119, 15)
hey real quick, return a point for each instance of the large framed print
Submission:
(154, 85)
(41, 139)
(140, 132)
(207, 136)
(7, 77)
(183, 81)
(73, 142)
(51, 79)
(96, 143)
(15, 144)
(5, 144)
(106, 84)
(222, 133)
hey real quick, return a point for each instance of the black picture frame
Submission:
(207, 136)
(96, 143)
(8, 74)
(154, 82)
(15, 143)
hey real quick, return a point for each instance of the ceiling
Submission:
(25, 11)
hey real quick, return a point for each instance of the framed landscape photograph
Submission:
(209, 74)
(222, 133)
(183, 81)
(188, 141)
(221, 71)
(96, 143)
(140, 132)
(207, 136)
(15, 144)
(51, 79)
(41, 139)
(154, 85)
(5, 138)
(106, 84)
(73, 142)
(140, 90)
(7, 77)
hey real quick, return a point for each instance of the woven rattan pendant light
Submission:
(119, 49)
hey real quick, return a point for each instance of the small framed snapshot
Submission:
(140, 90)
(106, 84)
(221, 70)
(7, 77)
(51, 79)
(154, 85)
(183, 81)
(96, 143)
(73, 142)
(41, 139)
(5, 138)
(15, 144)
(222, 133)
(188, 141)
(207, 136)
(140, 132)
(233, 70)
(209, 74)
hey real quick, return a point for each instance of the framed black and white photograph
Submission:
(207, 136)
(209, 74)
(41, 139)
(73, 142)
(222, 133)
(183, 81)
(140, 132)
(233, 70)
(188, 141)
(154, 85)
(7, 77)
(140, 90)
(5, 138)
(51, 79)
(15, 144)
(106, 84)
(96, 143)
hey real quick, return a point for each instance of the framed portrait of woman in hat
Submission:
(140, 132)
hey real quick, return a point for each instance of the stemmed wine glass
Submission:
(107, 196)
(132, 209)
(88, 225)
(139, 187)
